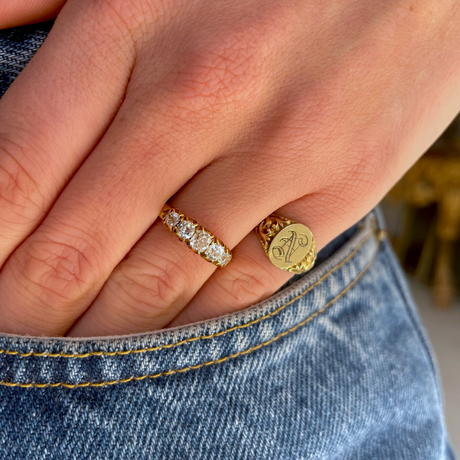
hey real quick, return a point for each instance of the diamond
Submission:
(185, 229)
(214, 252)
(172, 219)
(225, 259)
(200, 241)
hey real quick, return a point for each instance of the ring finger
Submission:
(252, 277)
(161, 275)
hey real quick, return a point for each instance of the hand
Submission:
(235, 110)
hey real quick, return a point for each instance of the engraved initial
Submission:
(290, 246)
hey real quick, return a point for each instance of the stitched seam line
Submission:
(208, 363)
(190, 339)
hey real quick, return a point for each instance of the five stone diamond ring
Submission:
(198, 239)
(288, 244)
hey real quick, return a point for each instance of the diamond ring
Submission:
(197, 238)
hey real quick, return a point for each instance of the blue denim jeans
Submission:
(335, 365)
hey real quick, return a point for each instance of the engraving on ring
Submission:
(290, 245)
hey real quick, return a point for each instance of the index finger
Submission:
(54, 114)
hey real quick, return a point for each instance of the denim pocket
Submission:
(70, 363)
(328, 367)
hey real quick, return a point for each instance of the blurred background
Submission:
(423, 218)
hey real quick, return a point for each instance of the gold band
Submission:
(198, 239)
(289, 245)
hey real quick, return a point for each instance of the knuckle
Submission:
(218, 74)
(149, 287)
(21, 199)
(245, 285)
(56, 272)
(366, 167)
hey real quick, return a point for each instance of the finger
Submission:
(111, 202)
(251, 277)
(20, 12)
(53, 115)
(161, 275)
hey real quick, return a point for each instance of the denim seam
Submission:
(420, 334)
(190, 339)
(208, 363)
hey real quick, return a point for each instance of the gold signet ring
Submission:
(289, 245)
(198, 239)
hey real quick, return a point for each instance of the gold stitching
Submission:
(191, 339)
(209, 363)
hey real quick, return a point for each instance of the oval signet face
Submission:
(290, 246)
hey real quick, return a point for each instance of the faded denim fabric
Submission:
(335, 365)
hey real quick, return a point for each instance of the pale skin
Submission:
(235, 109)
